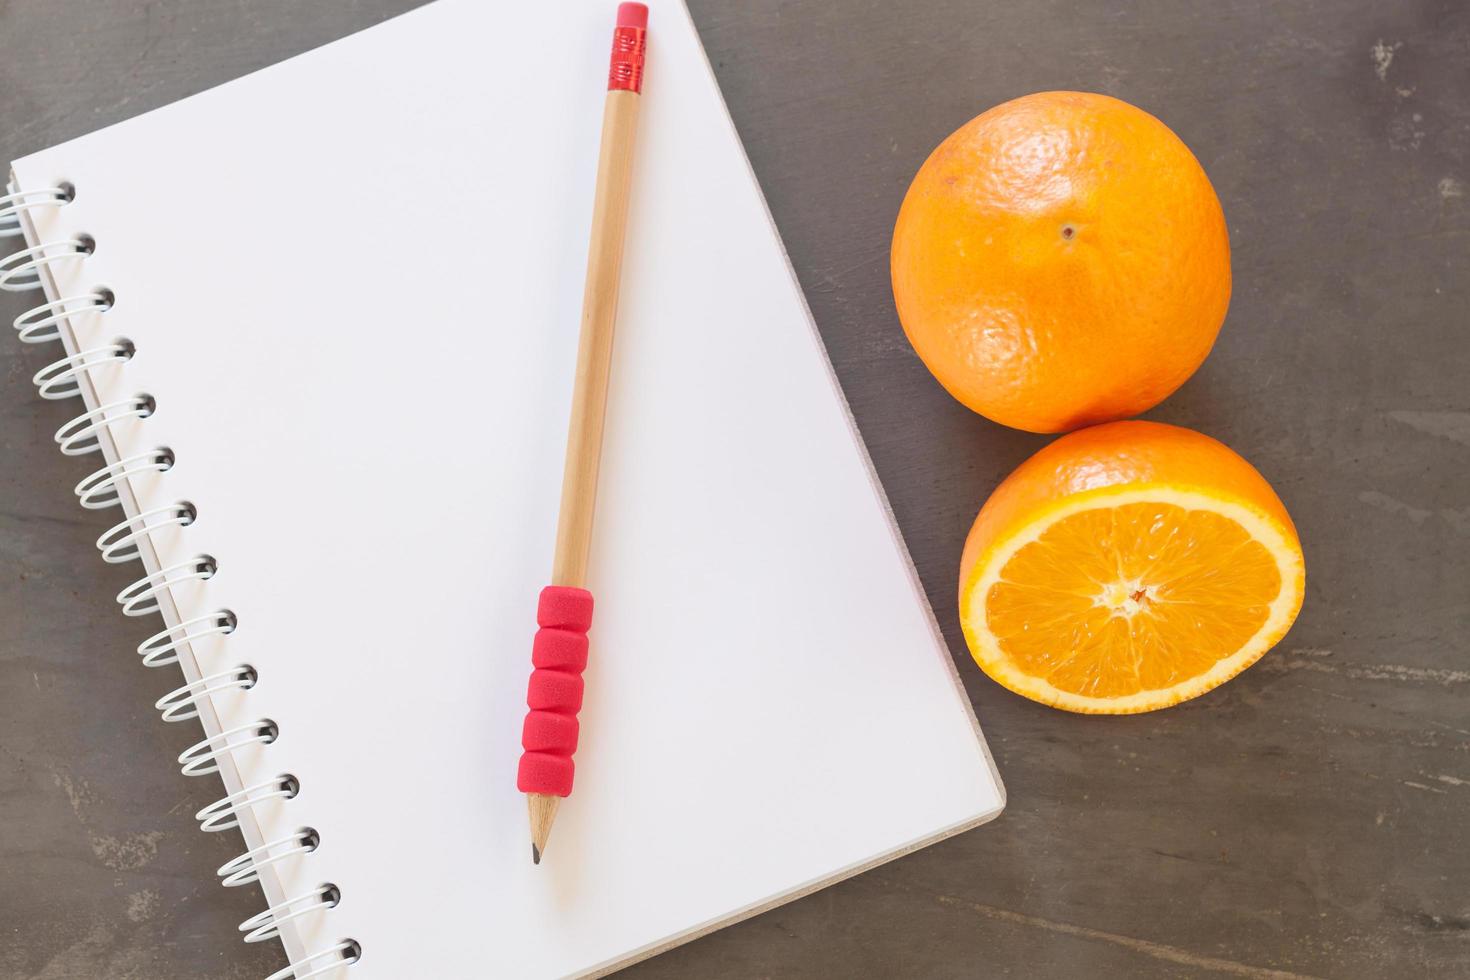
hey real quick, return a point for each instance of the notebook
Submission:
(322, 325)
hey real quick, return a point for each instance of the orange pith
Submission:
(1128, 567)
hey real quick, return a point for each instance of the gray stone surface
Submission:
(1308, 819)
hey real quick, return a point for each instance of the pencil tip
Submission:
(542, 809)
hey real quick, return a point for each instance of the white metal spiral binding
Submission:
(23, 270)
(141, 597)
(60, 379)
(83, 434)
(224, 812)
(98, 490)
(267, 925)
(344, 952)
(20, 271)
(202, 758)
(245, 868)
(119, 543)
(12, 205)
(182, 703)
(162, 648)
(42, 323)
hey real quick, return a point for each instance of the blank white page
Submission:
(354, 282)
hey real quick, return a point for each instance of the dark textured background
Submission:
(1307, 819)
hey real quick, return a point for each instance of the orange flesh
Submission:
(1142, 596)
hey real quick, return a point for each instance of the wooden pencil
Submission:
(549, 738)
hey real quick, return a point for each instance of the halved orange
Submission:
(1127, 567)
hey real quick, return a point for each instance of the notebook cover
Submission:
(353, 280)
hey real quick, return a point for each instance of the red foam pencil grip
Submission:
(554, 695)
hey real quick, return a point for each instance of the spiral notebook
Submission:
(319, 325)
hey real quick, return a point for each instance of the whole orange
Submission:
(1061, 260)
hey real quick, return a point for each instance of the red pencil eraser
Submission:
(633, 15)
(630, 39)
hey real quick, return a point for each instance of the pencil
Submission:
(564, 614)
